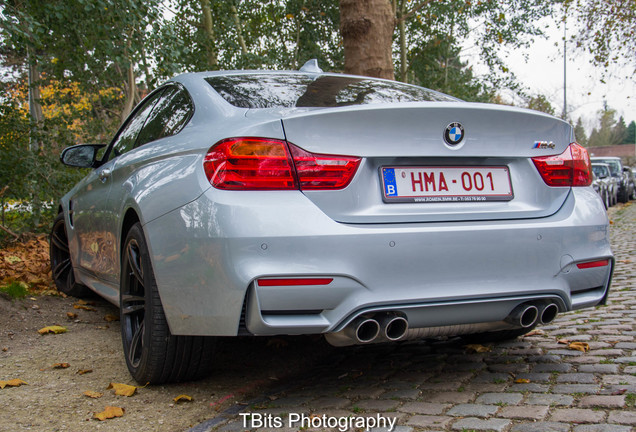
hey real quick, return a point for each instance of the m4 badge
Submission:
(543, 145)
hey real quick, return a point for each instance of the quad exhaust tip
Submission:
(524, 315)
(549, 313)
(366, 330)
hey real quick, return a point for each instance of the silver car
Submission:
(286, 203)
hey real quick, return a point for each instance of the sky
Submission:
(542, 73)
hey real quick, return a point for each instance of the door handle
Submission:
(104, 175)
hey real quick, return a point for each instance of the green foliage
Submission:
(607, 30)
(540, 103)
(611, 132)
(579, 133)
(630, 136)
(15, 290)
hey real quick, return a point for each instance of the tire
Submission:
(497, 336)
(605, 200)
(153, 354)
(61, 265)
(624, 195)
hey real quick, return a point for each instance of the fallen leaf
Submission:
(535, 332)
(183, 398)
(84, 302)
(93, 394)
(522, 381)
(5, 349)
(111, 318)
(477, 348)
(563, 341)
(109, 413)
(12, 383)
(71, 315)
(579, 346)
(84, 371)
(52, 329)
(80, 306)
(122, 389)
(60, 365)
(12, 259)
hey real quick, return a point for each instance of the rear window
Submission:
(298, 90)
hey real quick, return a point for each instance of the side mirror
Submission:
(81, 156)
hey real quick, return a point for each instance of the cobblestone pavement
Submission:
(533, 383)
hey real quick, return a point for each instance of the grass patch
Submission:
(630, 399)
(16, 290)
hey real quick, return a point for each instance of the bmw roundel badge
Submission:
(454, 133)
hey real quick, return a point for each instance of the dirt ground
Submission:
(53, 399)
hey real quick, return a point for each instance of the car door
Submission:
(93, 220)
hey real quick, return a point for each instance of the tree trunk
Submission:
(131, 92)
(402, 31)
(367, 27)
(239, 30)
(35, 107)
(209, 34)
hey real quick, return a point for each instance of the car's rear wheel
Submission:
(153, 354)
(61, 265)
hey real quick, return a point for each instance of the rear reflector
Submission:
(290, 282)
(570, 168)
(251, 163)
(592, 264)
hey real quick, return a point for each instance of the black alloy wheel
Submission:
(153, 354)
(61, 264)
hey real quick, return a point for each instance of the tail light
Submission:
(570, 168)
(269, 164)
(317, 171)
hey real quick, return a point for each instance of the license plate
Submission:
(446, 184)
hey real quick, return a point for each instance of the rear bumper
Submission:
(209, 254)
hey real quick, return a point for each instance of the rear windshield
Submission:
(298, 90)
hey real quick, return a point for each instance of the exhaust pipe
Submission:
(524, 315)
(363, 330)
(394, 327)
(549, 313)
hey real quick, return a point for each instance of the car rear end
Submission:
(387, 221)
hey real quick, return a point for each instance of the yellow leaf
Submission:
(84, 371)
(579, 346)
(183, 398)
(477, 348)
(563, 341)
(60, 365)
(52, 329)
(289, 16)
(12, 383)
(12, 259)
(71, 315)
(93, 394)
(122, 389)
(522, 381)
(111, 318)
(109, 412)
(535, 332)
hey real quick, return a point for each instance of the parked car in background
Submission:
(625, 190)
(605, 184)
(601, 182)
(263, 203)
(631, 182)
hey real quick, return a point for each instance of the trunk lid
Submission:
(411, 135)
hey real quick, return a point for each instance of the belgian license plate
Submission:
(446, 184)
